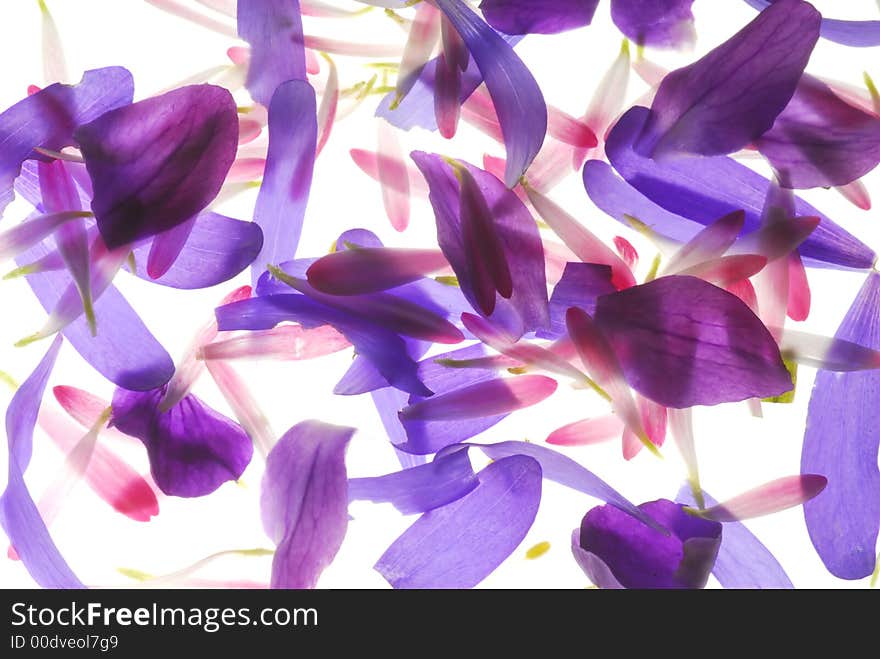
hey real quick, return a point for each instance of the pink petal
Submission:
(489, 398)
(244, 406)
(177, 8)
(571, 131)
(769, 498)
(329, 106)
(627, 252)
(54, 64)
(246, 169)
(369, 164)
(447, 94)
(682, 428)
(313, 66)
(392, 167)
(744, 290)
(799, 295)
(857, 194)
(480, 113)
(249, 129)
(372, 269)
(727, 270)
(423, 36)
(607, 101)
(710, 243)
(654, 422)
(350, 48)
(286, 342)
(587, 431)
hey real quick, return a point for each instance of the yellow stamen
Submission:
(538, 550)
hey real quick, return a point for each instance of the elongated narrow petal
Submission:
(243, 405)
(604, 366)
(19, 516)
(304, 501)
(820, 140)
(607, 101)
(490, 398)
(369, 270)
(166, 248)
(48, 118)
(743, 561)
(767, 499)
(421, 488)
(368, 162)
(34, 230)
(799, 294)
(284, 193)
(385, 350)
(110, 351)
(728, 98)
(827, 353)
(423, 36)
(156, 163)
(682, 426)
(447, 91)
(727, 270)
(217, 249)
(328, 108)
(538, 16)
(841, 442)
(683, 342)
(285, 342)
(662, 23)
(681, 554)
(704, 189)
(460, 544)
(193, 449)
(861, 34)
(392, 167)
(515, 229)
(587, 432)
(517, 97)
(710, 243)
(586, 246)
(273, 28)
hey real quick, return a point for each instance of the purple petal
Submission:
(639, 556)
(517, 98)
(217, 249)
(369, 270)
(849, 33)
(593, 566)
(710, 243)
(273, 28)
(383, 348)
(704, 189)
(580, 286)
(49, 118)
(841, 442)
(538, 16)
(659, 23)
(526, 309)
(820, 140)
(284, 193)
(460, 544)
(684, 342)
(166, 248)
(19, 516)
(192, 448)
(743, 561)
(422, 488)
(156, 163)
(304, 501)
(120, 330)
(729, 97)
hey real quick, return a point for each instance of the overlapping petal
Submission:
(538, 16)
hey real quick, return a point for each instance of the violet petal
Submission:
(538, 16)
(580, 286)
(658, 23)
(849, 33)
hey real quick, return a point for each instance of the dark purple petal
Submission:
(704, 189)
(820, 140)
(659, 23)
(419, 489)
(849, 33)
(515, 94)
(166, 247)
(124, 351)
(284, 193)
(639, 556)
(217, 249)
(304, 501)
(49, 118)
(156, 163)
(593, 566)
(729, 97)
(581, 284)
(743, 561)
(273, 28)
(383, 348)
(460, 544)
(538, 16)
(369, 270)
(684, 342)
(192, 448)
(841, 442)
(526, 310)
(19, 516)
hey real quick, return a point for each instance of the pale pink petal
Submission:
(54, 64)
(709, 244)
(828, 353)
(423, 36)
(329, 105)
(392, 167)
(244, 405)
(587, 431)
(727, 270)
(249, 129)
(313, 66)
(246, 169)
(682, 427)
(479, 111)
(368, 162)
(350, 48)
(857, 194)
(177, 8)
(767, 499)
(285, 342)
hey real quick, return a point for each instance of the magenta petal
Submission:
(729, 97)
(304, 501)
(284, 193)
(369, 270)
(684, 342)
(820, 140)
(192, 448)
(156, 163)
(515, 94)
(48, 118)
(841, 441)
(273, 28)
(538, 16)
(460, 544)
(19, 516)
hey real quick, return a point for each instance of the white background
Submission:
(736, 451)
